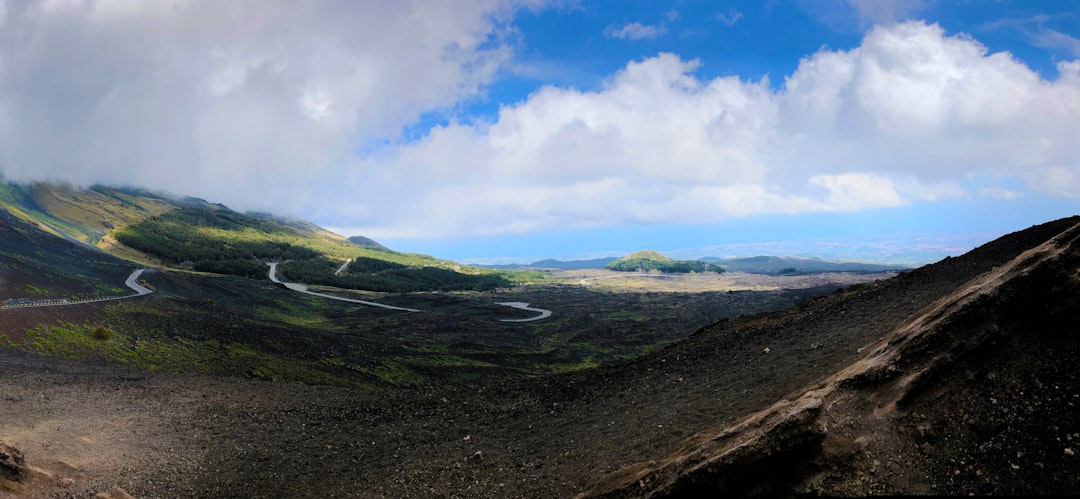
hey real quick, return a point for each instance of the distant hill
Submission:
(796, 265)
(551, 264)
(651, 260)
(753, 265)
(366, 241)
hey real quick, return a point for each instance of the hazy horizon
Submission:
(898, 131)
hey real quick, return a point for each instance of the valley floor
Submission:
(91, 426)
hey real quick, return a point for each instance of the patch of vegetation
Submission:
(250, 268)
(646, 261)
(101, 333)
(78, 341)
(392, 277)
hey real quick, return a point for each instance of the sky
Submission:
(496, 131)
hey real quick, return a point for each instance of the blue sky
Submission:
(575, 47)
(514, 130)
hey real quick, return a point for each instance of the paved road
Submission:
(544, 314)
(131, 282)
(300, 288)
(343, 267)
(304, 289)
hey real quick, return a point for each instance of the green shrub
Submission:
(100, 333)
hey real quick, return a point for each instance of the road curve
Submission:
(544, 314)
(300, 288)
(131, 282)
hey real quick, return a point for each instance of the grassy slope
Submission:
(85, 215)
(37, 264)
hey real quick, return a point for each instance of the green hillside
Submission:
(217, 239)
(645, 261)
(85, 215)
(163, 230)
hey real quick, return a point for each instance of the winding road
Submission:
(131, 282)
(140, 290)
(544, 313)
(300, 288)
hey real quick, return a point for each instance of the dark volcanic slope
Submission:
(632, 430)
(976, 393)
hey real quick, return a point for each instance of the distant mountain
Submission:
(366, 241)
(552, 264)
(651, 260)
(753, 265)
(796, 265)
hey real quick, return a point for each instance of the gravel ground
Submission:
(88, 427)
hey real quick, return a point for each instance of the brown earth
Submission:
(935, 381)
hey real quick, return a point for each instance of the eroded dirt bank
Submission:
(88, 427)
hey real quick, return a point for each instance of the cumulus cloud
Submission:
(298, 107)
(228, 98)
(908, 116)
(634, 31)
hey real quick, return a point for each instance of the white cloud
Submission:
(1049, 38)
(1000, 193)
(227, 98)
(266, 106)
(634, 31)
(886, 11)
(730, 18)
(1034, 28)
(904, 118)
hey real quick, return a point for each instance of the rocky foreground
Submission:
(955, 378)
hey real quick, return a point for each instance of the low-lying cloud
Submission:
(257, 103)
